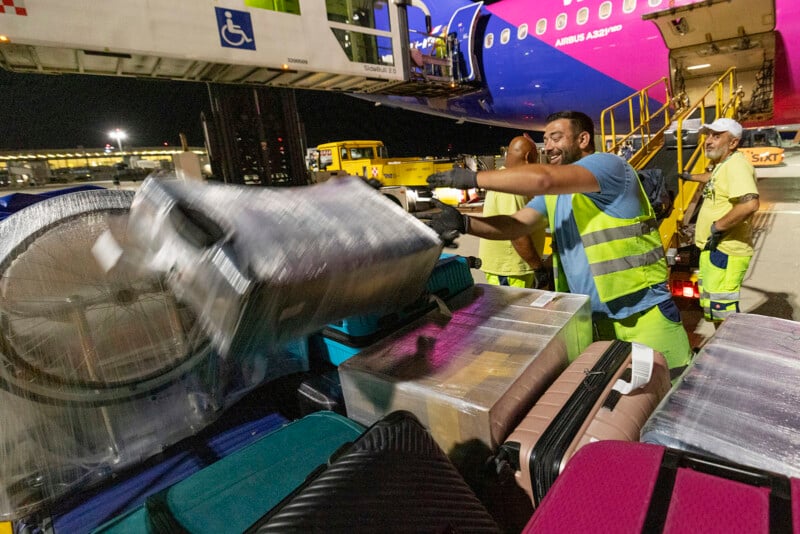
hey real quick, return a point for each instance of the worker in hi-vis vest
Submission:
(606, 242)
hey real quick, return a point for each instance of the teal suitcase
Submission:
(233, 493)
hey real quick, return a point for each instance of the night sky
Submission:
(68, 111)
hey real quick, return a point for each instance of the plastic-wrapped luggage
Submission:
(263, 266)
(607, 393)
(472, 373)
(101, 367)
(394, 478)
(233, 493)
(620, 486)
(739, 398)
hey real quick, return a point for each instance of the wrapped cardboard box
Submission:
(263, 266)
(470, 374)
(739, 399)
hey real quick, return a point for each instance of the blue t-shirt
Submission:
(618, 197)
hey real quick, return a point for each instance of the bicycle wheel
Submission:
(71, 332)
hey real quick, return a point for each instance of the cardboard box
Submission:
(472, 375)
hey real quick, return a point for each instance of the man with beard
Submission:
(723, 229)
(605, 236)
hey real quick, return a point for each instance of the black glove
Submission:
(714, 238)
(449, 223)
(685, 176)
(542, 278)
(457, 177)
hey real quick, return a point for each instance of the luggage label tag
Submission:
(441, 305)
(641, 369)
(544, 299)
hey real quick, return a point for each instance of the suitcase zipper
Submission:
(546, 456)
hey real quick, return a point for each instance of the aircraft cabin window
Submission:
(583, 15)
(628, 6)
(605, 10)
(522, 31)
(561, 21)
(541, 26)
(505, 36)
(488, 41)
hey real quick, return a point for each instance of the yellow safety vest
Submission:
(625, 255)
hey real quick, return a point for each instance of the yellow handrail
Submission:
(639, 120)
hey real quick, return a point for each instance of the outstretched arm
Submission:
(537, 179)
(529, 180)
(503, 227)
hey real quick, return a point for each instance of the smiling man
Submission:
(723, 231)
(605, 236)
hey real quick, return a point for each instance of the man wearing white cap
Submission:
(723, 230)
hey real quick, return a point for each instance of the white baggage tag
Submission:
(443, 309)
(641, 369)
(543, 300)
(106, 251)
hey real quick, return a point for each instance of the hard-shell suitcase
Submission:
(394, 478)
(260, 267)
(583, 406)
(628, 487)
(342, 339)
(83, 511)
(231, 494)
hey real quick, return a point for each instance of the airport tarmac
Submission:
(772, 284)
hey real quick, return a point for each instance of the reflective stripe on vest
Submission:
(625, 255)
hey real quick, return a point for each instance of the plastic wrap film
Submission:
(739, 399)
(100, 369)
(471, 375)
(261, 266)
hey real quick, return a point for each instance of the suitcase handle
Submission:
(194, 226)
(780, 496)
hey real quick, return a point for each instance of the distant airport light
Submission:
(4, 39)
(119, 135)
(701, 66)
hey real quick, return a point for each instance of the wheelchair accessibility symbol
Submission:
(235, 29)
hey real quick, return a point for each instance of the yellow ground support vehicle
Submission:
(403, 180)
(763, 147)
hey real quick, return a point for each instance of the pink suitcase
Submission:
(621, 487)
(580, 407)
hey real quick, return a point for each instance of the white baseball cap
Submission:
(723, 125)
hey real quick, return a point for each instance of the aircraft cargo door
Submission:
(461, 40)
(707, 38)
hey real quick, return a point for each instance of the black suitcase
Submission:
(394, 478)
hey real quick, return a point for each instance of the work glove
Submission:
(542, 278)
(714, 239)
(449, 223)
(685, 176)
(457, 177)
